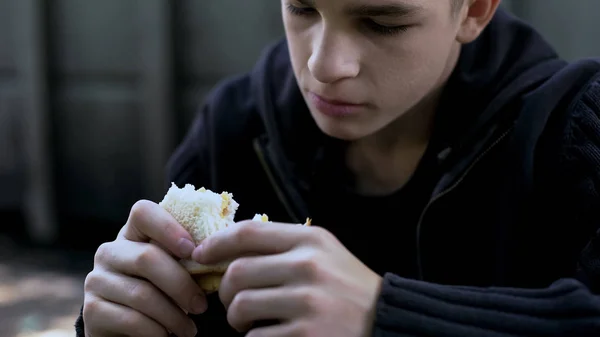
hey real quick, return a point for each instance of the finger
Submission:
(155, 265)
(254, 272)
(159, 245)
(291, 329)
(148, 221)
(105, 318)
(283, 303)
(141, 296)
(250, 237)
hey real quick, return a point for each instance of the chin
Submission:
(342, 131)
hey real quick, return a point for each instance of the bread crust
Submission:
(208, 277)
(209, 283)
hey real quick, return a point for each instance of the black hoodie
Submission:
(503, 226)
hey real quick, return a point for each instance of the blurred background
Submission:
(94, 96)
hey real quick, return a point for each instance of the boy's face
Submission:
(380, 58)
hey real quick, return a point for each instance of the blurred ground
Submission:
(41, 290)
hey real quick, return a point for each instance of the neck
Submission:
(384, 162)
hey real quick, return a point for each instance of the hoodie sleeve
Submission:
(414, 308)
(569, 307)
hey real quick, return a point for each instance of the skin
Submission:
(398, 76)
(303, 277)
(137, 288)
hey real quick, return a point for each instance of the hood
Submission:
(509, 59)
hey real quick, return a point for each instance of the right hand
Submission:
(138, 288)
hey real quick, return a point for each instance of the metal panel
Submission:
(95, 37)
(96, 62)
(99, 158)
(156, 89)
(9, 114)
(30, 48)
(218, 39)
(7, 61)
(572, 27)
(12, 165)
(227, 36)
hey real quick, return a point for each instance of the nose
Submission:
(333, 58)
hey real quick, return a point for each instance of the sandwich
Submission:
(203, 212)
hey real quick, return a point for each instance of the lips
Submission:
(334, 107)
(334, 101)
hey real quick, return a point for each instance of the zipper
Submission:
(262, 158)
(448, 191)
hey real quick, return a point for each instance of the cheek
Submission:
(412, 70)
(300, 51)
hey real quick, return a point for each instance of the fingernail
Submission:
(186, 247)
(199, 304)
(192, 330)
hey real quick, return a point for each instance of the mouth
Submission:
(335, 107)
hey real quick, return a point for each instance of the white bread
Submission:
(201, 212)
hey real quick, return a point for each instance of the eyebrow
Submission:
(395, 10)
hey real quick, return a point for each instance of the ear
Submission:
(477, 16)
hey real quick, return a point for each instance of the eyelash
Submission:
(370, 24)
(385, 30)
(300, 11)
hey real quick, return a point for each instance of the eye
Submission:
(384, 29)
(300, 11)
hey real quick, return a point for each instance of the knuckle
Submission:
(308, 298)
(147, 258)
(92, 280)
(307, 266)
(103, 253)
(232, 280)
(248, 229)
(237, 269)
(321, 235)
(91, 306)
(241, 305)
(139, 209)
(140, 293)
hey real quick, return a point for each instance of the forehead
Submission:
(368, 7)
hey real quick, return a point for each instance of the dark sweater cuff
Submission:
(416, 308)
(79, 326)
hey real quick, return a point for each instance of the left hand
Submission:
(301, 276)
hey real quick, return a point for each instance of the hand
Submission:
(301, 276)
(139, 289)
